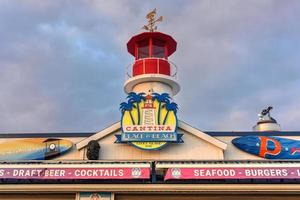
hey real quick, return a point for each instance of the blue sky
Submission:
(62, 63)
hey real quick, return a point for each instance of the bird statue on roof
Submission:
(151, 21)
(266, 112)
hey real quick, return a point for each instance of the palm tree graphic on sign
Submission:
(170, 107)
(127, 107)
(163, 98)
(137, 99)
(134, 109)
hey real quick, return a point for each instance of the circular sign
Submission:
(149, 122)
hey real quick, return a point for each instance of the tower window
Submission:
(143, 49)
(158, 48)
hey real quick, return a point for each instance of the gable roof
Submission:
(99, 135)
(196, 132)
(182, 125)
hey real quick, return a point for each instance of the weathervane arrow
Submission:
(151, 21)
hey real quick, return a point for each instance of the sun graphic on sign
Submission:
(149, 121)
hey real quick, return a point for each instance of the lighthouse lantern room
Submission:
(151, 70)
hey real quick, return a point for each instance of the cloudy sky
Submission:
(62, 63)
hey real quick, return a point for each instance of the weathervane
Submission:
(151, 21)
(266, 112)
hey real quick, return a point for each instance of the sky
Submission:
(62, 63)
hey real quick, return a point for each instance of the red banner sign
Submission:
(74, 173)
(234, 173)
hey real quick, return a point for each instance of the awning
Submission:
(74, 170)
(230, 170)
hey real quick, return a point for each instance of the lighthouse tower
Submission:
(151, 70)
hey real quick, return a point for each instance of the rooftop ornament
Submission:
(151, 21)
(266, 115)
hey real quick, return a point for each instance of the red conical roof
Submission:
(170, 42)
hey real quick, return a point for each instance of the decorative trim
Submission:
(97, 136)
(181, 125)
(88, 134)
(150, 188)
(46, 135)
(202, 135)
(220, 164)
(248, 133)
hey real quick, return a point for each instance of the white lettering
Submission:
(266, 172)
(214, 172)
(98, 172)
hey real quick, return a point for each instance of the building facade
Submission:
(150, 153)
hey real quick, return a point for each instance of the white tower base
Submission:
(146, 83)
(266, 125)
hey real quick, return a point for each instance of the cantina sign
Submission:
(234, 173)
(74, 173)
(149, 122)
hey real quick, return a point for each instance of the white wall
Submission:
(193, 148)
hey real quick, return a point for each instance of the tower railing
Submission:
(130, 72)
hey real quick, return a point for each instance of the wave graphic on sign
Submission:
(34, 148)
(269, 147)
